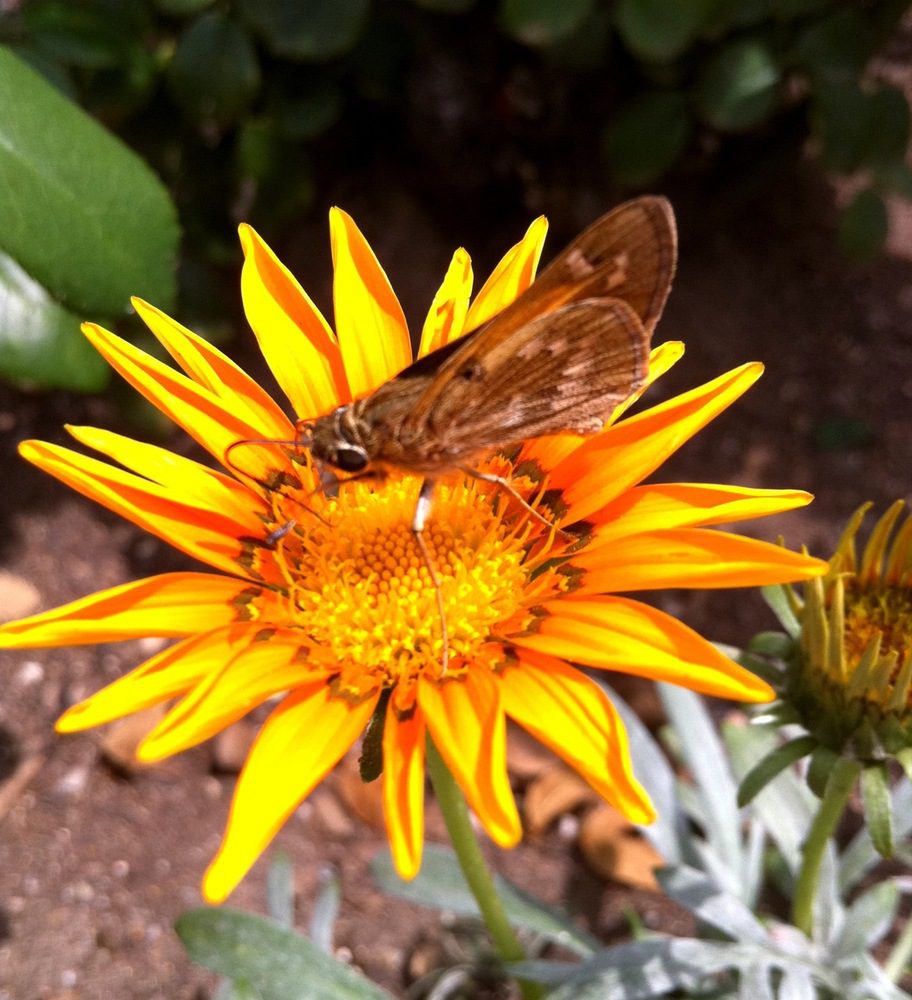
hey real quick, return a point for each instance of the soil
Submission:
(97, 859)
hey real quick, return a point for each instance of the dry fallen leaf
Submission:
(616, 850)
(555, 792)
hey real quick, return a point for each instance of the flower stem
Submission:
(477, 875)
(838, 788)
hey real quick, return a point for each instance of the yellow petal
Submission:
(446, 317)
(166, 675)
(403, 790)
(370, 323)
(172, 605)
(661, 359)
(211, 369)
(685, 505)
(297, 342)
(690, 557)
(245, 678)
(511, 277)
(466, 722)
(573, 717)
(208, 420)
(300, 742)
(611, 462)
(200, 531)
(614, 633)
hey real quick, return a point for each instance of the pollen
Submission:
(362, 592)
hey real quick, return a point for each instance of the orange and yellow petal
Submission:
(572, 716)
(173, 605)
(689, 557)
(616, 633)
(403, 789)
(446, 318)
(370, 324)
(511, 277)
(300, 742)
(211, 369)
(608, 464)
(298, 344)
(209, 420)
(466, 722)
(199, 530)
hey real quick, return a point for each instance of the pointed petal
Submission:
(300, 742)
(166, 675)
(615, 633)
(661, 506)
(403, 790)
(446, 317)
(611, 462)
(297, 342)
(467, 725)
(690, 557)
(196, 484)
(208, 420)
(170, 605)
(511, 277)
(661, 359)
(201, 532)
(245, 678)
(208, 367)
(370, 323)
(570, 714)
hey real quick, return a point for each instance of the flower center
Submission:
(884, 611)
(361, 590)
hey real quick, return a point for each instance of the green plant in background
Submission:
(246, 108)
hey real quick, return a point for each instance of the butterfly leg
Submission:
(508, 487)
(422, 512)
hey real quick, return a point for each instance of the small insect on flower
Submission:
(559, 359)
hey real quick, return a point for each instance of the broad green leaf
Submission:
(40, 342)
(762, 773)
(776, 644)
(81, 213)
(274, 962)
(836, 47)
(839, 119)
(310, 112)
(739, 86)
(441, 885)
(76, 34)
(182, 8)
(888, 127)
(878, 808)
(214, 74)
(822, 762)
(541, 23)
(896, 178)
(863, 227)
(645, 137)
(658, 30)
(315, 31)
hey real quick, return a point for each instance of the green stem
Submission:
(838, 788)
(477, 875)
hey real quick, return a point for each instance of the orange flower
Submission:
(322, 601)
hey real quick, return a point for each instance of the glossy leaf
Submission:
(76, 34)
(41, 345)
(315, 31)
(541, 23)
(863, 227)
(739, 86)
(215, 73)
(646, 136)
(82, 214)
(658, 30)
(274, 962)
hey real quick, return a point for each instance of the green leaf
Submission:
(40, 342)
(774, 644)
(776, 599)
(446, 6)
(81, 213)
(77, 35)
(316, 31)
(658, 30)
(646, 136)
(888, 127)
(709, 904)
(868, 919)
(441, 885)
(214, 74)
(277, 963)
(772, 764)
(896, 178)
(739, 86)
(863, 227)
(823, 759)
(280, 890)
(326, 910)
(878, 809)
(540, 23)
(836, 47)
(182, 8)
(310, 112)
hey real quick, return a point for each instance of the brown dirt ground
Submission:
(95, 865)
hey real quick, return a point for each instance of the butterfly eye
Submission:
(350, 459)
